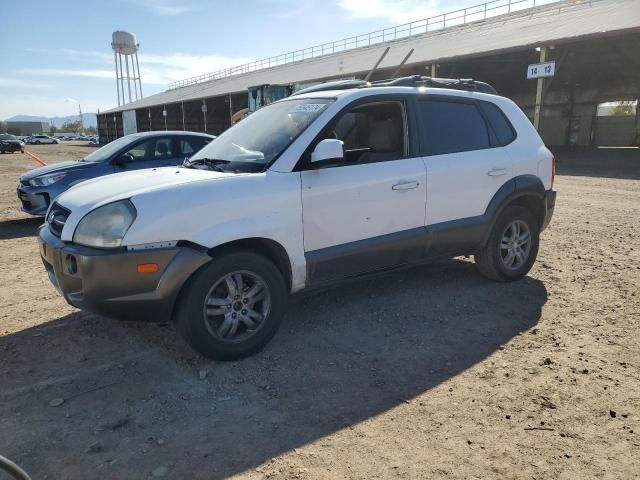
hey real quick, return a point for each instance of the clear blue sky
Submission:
(55, 54)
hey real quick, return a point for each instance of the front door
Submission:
(153, 153)
(366, 213)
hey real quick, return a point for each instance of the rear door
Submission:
(465, 164)
(366, 213)
(465, 167)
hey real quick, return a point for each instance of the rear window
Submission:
(451, 127)
(500, 125)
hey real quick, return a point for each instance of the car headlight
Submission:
(105, 227)
(45, 180)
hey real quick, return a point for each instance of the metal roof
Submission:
(554, 23)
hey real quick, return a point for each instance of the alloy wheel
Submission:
(515, 245)
(237, 306)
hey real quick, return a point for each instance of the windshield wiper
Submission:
(209, 162)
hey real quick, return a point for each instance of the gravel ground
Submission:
(432, 372)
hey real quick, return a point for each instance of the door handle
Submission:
(405, 186)
(496, 172)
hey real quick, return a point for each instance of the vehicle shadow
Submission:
(19, 228)
(342, 356)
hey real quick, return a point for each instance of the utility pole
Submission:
(539, 90)
(80, 115)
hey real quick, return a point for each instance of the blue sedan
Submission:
(140, 150)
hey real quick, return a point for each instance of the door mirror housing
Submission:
(122, 160)
(329, 149)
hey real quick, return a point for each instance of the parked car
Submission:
(42, 139)
(10, 144)
(312, 190)
(134, 152)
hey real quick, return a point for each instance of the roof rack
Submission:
(467, 84)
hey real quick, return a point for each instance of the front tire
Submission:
(233, 306)
(512, 247)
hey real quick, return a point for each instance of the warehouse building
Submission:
(27, 127)
(594, 45)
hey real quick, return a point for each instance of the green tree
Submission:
(91, 130)
(70, 126)
(623, 108)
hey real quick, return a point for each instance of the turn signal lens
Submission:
(147, 267)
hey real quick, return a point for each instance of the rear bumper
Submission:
(11, 147)
(107, 282)
(549, 206)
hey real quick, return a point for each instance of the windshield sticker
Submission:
(308, 108)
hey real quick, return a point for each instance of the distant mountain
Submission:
(89, 119)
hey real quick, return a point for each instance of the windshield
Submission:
(106, 152)
(252, 144)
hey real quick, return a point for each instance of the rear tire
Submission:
(224, 322)
(512, 247)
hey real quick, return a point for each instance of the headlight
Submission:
(45, 180)
(105, 227)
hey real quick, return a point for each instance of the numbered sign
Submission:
(541, 70)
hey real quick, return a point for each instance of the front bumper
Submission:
(549, 206)
(34, 200)
(107, 282)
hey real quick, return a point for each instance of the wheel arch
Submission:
(526, 191)
(266, 247)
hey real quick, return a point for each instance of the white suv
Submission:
(314, 189)
(38, 139)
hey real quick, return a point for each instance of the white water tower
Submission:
(125, 46)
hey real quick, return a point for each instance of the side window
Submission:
(502, 128)
(450, 126)
(162, 149)
(152, 149)
(372, 132)
(139, 152)
(190, 145)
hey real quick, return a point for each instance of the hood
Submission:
(11, 141)
(89, 195)
(72, 165)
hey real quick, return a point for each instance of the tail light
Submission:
(553, 170)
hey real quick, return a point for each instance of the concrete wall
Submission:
(617, 131)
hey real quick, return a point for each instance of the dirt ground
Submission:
(432, 372)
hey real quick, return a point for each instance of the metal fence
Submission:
(438, 22)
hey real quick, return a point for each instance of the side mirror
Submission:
(328, 149)
(122, 160)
